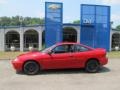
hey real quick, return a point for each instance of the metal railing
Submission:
(34, 45)
(17, 46)
(9, 45)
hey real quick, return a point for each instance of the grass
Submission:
(12, 55)
(114, 54)
(9, 55)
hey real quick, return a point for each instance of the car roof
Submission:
(67, 43)
(62, 43)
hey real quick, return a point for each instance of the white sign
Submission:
(54, 6)
(87, 21)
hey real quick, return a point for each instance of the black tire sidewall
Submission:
(37, 68)
(90, 62)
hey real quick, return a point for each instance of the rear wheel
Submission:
(31, 68)
(92, 66)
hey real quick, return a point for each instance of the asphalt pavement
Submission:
(73, 79)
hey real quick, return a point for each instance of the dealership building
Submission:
(24, 37)
(34, 36)
(94, 30)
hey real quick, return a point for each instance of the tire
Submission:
(31, 68)
(92, 66)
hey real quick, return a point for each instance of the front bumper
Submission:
(17, 65)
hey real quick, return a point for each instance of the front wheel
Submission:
(31, 68)
(92, 66)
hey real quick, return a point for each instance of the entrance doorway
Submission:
(69, 34)
(115, 40)
(12, 39)
(31, 39)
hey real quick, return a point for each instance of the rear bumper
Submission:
(104, 61)
(17, 65)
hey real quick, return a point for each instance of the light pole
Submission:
(21, 19)
(111, 42)
(21, 34)
(0, 23)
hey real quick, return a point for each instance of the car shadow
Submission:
(68, 71)
(104, 70)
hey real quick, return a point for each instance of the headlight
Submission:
(16, 59)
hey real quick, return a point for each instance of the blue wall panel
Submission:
(87, 37)
(53, 23)
(95, 26)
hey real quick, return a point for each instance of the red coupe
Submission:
(61, 56)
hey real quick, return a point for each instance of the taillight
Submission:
(106, 54)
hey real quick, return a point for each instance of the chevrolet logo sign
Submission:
(54, 6)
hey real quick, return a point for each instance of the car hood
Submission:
(31, 54)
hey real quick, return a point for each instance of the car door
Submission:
(61, 57)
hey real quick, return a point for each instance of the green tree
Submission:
(15, 21)
(76, 22)
(118, 27)
(5, 21)
(18, 20)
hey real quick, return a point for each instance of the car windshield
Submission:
(45, 50)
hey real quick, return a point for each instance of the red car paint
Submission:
(61, 60)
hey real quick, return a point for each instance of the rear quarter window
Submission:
(79, 48)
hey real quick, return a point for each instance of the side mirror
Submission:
(49, 52)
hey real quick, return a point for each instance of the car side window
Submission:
(61, 49)
(79, 48)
